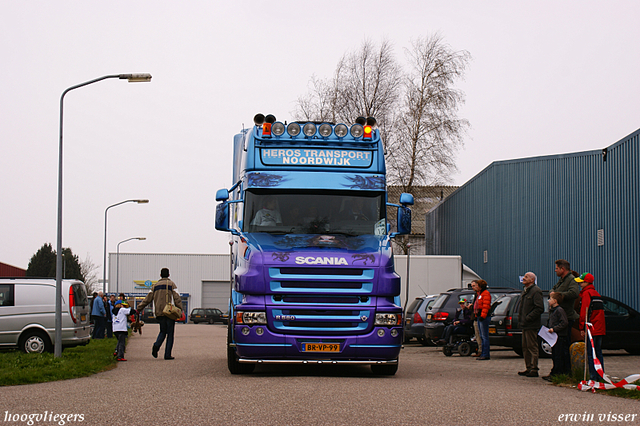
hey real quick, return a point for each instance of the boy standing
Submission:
(120, 314)
(559, 324)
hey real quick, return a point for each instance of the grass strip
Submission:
(18, 368)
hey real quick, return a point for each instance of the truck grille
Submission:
(321, 280)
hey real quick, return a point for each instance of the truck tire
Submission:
(35, 341)
(234, 366)
(384, 369)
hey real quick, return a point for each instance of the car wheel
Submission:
(464, 349)
(35, 341)
(545, 349)
(211, 321)
(234, 366)
(384, 369)
(447, 351)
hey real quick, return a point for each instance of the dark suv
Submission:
(444, 308)
(210, 315)
(415, 315)
(622, 322)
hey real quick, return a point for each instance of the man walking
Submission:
(162, 293)
(531, 308)
(569, 289)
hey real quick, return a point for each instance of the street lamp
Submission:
(118, 260)
(131, 78)
(104, 259)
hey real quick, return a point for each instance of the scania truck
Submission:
(313, 277)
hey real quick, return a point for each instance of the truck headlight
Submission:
(387, 319)
(252, 317)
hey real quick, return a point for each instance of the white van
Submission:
(27, 314)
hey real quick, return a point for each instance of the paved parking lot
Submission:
(429, 388)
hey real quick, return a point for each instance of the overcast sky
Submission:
(546, 77)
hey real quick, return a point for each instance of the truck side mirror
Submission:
(222, 216)
(404, 220)
(406, 199)
(222, 195)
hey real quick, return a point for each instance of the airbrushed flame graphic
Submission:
(264, 180)
(365, 182)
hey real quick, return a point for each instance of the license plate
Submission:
(492, 330)
(320, 347)
(83, 318)
(408, 322)
(197, 316)
(428, 317)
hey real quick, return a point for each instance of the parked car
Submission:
(415, 315)
(210, 315)
(27, 314)
(148, 314)
(622, 322)
(444, 308)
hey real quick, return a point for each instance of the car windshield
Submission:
(315, 212)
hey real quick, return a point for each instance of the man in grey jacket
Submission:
(570, 290)
(531, 308)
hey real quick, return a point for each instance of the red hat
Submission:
(586, 277)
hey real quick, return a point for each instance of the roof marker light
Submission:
(277, 128)
(293, 129)
(309, 130)
(341, 130)
(368, 130)
(325, 130)
(357, 130)
(266, 130)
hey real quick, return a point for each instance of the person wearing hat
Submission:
(162, 293)
(592, 311)
(460, 324)
(531, 309)
(120, 313)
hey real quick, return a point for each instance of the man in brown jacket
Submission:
(162, 293)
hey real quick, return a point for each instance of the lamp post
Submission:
(104, 253)
(131, 78)
(118, 260)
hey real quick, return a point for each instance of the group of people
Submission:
(562, 317)
(111, 315)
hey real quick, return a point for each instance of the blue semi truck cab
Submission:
(313, 277)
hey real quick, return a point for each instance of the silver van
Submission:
(27, 314)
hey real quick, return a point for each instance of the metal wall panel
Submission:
(526, 213)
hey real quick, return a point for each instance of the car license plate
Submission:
(407, 322)
(197, 316)
(492, 330)
(320, 347)
(429, 317)
(83, 318)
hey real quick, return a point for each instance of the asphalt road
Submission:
(429, 389)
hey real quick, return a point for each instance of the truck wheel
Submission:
(464, 349)
(35, 341)
(384, 369)
(232, 361)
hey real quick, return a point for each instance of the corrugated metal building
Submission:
(521, 215)
(202, 279)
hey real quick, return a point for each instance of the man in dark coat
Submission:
(570, 290)
(531, 308)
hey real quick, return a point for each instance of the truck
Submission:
(312, 265)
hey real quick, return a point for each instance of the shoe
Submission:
(475, 355)
(169, 357)
(121, 359)
(532, 374)
(154, 351)
(523, 373)
(548, 378)
(115, 354)
(482, 358)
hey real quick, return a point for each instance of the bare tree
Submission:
(365, 83)
(88, 269)
(428, 130)
(416, 110)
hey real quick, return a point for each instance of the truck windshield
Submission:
(314, 212)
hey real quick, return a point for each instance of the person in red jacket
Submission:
(481, 307)
(592, 311)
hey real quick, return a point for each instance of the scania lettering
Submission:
(313, 277)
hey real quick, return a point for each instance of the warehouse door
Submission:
(215, 294)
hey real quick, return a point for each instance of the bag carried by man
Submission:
(170, 310)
